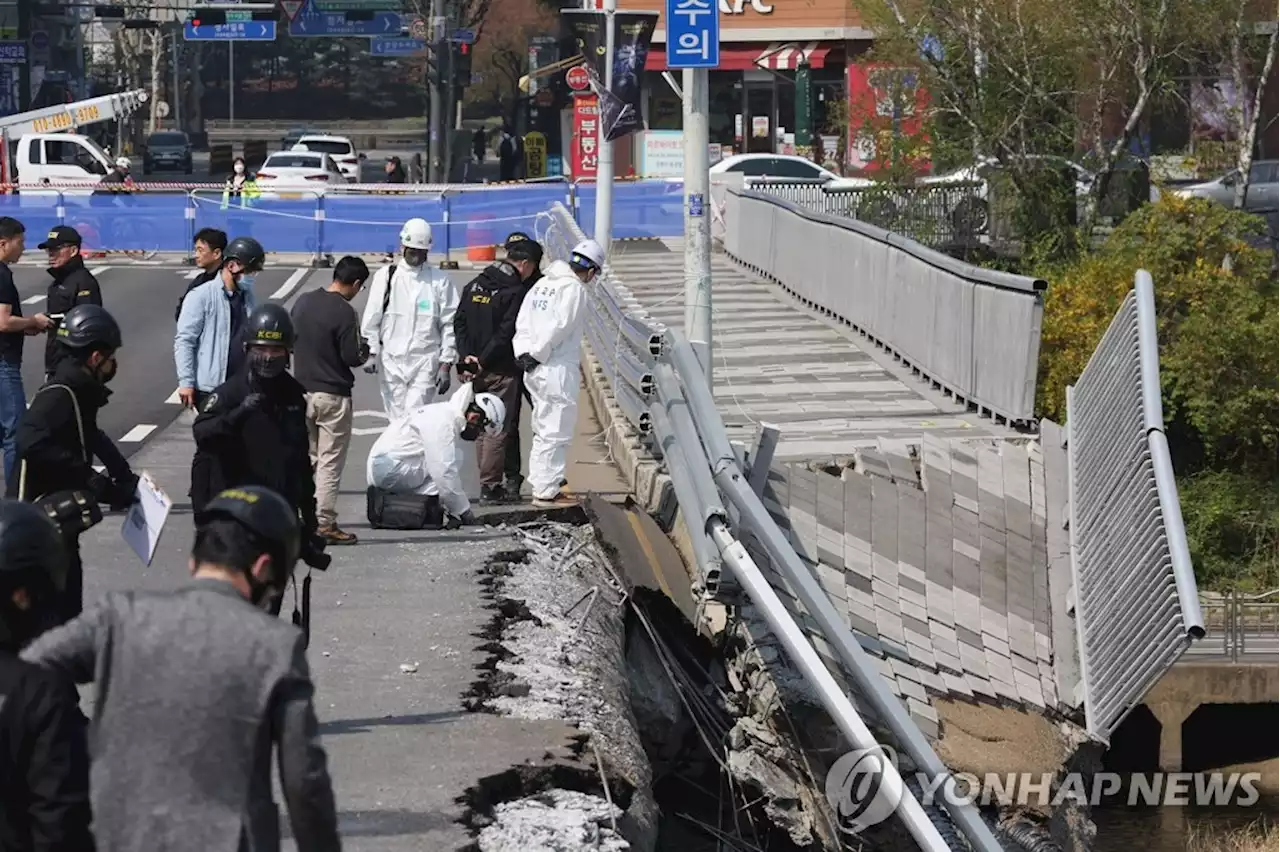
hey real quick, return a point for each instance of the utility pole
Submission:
(446, 86)
(604, 165)
(177, 79)
(231, 83)
(697, 228)
(433, 84)
(25, 13)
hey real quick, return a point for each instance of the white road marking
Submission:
(100, 468)
(362, 431)
(95, 271)
(173, 398)
(291, 284)
(31, 300)
(381, 415)
(190, 274)
(138, 433)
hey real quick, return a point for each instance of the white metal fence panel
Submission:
(1136, 605)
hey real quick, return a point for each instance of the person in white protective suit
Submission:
(547, 344)
(408, 324)
(422, 452)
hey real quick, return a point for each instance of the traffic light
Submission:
(461, 64)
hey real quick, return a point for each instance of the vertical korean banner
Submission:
(586, 127)
(632, 35)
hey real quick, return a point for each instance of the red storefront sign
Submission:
(887, 107)
(586, 130)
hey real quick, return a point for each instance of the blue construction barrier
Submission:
(341, 222)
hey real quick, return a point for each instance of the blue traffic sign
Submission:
(312, 23)
(463, 37)
(396, 46)
(693, 34)
(40, 40)
(240, 31)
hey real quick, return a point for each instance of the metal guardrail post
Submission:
(60, 207)
(318, 261)
(189, 213)
(446, 214)
(836, 630)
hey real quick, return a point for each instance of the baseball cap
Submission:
(515, 237)
(59, 236)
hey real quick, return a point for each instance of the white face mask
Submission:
(239, 168)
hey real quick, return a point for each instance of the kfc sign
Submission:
(586, 132)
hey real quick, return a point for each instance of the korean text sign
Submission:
(586, 129)
(693, 34)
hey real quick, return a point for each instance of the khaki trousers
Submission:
(329, 425)
(491, 450)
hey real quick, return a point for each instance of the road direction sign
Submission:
(240, 31)
(291, 8)
(357, 5)
(312, 23)
(463, 37)
(396, 46)
(577, 78)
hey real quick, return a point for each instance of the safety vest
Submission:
(248, 193)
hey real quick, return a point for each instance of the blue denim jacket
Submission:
(204, 335)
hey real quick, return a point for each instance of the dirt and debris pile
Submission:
(556, 645)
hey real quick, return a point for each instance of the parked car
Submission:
(167, 149)
(297, 170)
(783, 167)
(1261, 195)
(291, 138)
(340, 148)
(968, 211)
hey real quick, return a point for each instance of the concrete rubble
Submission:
(558, 653)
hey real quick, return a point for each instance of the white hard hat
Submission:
(123, 162)
(416, 234)
(587, 254)
(495, 411)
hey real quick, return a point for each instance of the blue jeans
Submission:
(13, 402)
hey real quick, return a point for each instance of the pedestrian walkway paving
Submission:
(401, 746)
(826, 391)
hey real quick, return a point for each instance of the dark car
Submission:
(168, 149)
(291, 138)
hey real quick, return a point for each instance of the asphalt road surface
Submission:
(371, 170)
(401, 747)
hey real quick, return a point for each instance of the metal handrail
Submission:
(1243, 617)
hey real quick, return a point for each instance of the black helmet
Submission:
(248, 251)
(87, 326)
(32, 557)
(266, 515)
(269, 325)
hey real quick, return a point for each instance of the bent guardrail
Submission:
(336, 220)
(1136, 605)
(974, 332)
(656, 383)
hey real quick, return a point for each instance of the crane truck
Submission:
(41, 147)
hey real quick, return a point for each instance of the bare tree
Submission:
(1247, 113)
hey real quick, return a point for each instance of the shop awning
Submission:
(746, 57)
(790, 56)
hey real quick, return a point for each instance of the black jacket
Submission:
(44, 762)
(485, 322)
(268, 447)
(72, 285)
(48, 441)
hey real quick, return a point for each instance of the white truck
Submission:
(37, 149)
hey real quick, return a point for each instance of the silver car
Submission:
(1260, 197)
(167, 149)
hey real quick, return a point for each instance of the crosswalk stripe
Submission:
(291, 284)
(138, 433)
(31, 300)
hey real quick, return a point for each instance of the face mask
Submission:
(106, 370)
(239, 168)
(415, 257)
(247, 279)
(267, 366)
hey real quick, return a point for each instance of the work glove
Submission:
(527, 362)
(125, 492)
(444, 378)
(251, 403)
(372, 366)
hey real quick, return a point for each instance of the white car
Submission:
(338, 147)
(785, 167)
(968, 209)
(309, 170)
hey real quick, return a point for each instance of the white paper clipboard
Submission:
(144, 522)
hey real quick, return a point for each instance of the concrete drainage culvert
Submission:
(651, 770)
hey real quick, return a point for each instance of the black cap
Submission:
(269, 325)
(59, 236)
(515, 237)
(267, 516)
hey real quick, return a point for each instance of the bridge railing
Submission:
(1240, 626)
(971, 331)
(1134, 595)
(653, 380)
